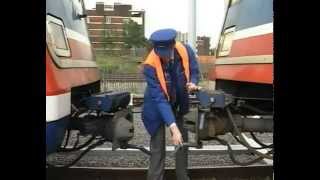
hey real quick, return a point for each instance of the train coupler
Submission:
(107, 115)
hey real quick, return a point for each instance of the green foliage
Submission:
(133, 35)
(118, 64)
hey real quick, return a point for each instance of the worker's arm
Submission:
(194, 66)
(158, 96)
(194, 70)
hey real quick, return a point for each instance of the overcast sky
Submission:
(174, 14)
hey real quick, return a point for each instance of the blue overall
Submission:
(156, 108)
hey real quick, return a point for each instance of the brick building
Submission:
(203, 45)
(106, 24)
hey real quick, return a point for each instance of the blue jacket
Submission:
(156, 108)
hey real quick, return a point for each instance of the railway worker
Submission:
(171, 71)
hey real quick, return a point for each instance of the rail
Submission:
(254, 172)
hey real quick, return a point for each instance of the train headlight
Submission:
(56, 36)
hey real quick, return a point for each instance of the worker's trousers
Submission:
(158, 154)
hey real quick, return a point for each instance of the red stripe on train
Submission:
(60, 81)
(257, 45)
(257, 73)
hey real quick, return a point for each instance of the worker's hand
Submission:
(176, 135)
(192, 87)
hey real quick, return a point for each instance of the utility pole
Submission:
(192, 30)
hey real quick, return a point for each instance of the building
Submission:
(182, 37)
(106, 24)
(203, 45)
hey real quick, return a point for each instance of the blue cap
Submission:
(162, 41)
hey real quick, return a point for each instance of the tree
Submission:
(133, 35)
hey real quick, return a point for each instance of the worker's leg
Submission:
(157, 158)
(182, 154)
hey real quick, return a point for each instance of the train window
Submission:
(57, 36)
(226, 41)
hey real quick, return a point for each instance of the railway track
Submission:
(256, 172)
(212, 172)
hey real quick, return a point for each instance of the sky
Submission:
(174, 14)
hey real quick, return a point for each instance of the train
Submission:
(241, 102)
(244, 55)
(242, 99)
(74, 100)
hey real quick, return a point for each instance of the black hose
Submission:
(254, 137)
(67, 140)
(239, 141)
(64, 149)
(98, 143)
(246, 144)
(77, 141)
(232, 157)
(139, 147)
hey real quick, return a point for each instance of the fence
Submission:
(132, 82)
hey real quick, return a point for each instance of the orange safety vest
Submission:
(154, 61)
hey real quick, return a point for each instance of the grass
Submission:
(118, 64)
(131, 64)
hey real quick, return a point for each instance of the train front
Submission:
(244, 57)
(73, 97)
(242, 101)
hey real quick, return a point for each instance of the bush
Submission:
(118, 64)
